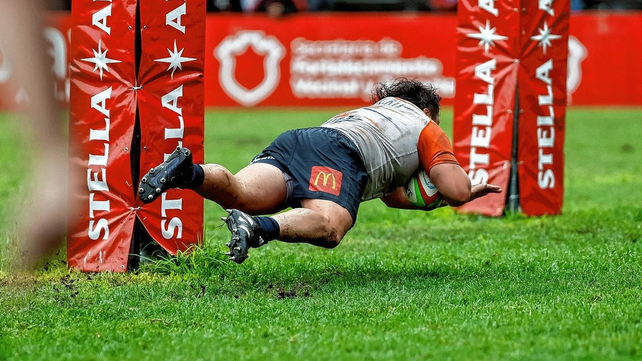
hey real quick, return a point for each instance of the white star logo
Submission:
(545, 37)
(175, 59)
(100, 60)
(487, 36)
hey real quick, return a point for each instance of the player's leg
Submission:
(258, 188)
(320, 222)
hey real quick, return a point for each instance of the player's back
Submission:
(386, 135)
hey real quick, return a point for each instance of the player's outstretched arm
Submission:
(452, 182)
(454, 185)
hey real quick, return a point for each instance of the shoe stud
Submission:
(186, 152)
(158, 190)
(141, 190)
(227, 244)
(150, 197)
(163, 180)
(152, 171)
(144, 180)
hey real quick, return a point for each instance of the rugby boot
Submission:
(172, 173)
(244, 234)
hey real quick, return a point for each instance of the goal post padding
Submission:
(511, 58)
(114, 86)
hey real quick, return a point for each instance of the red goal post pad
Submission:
(105, 97)
(486, 75)
(542, 99)
(494, 49)
(172, 111)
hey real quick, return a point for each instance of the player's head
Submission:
(422, 95)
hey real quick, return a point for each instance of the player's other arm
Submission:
(436, 156)
(452, 182)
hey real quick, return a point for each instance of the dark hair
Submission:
(422, 95)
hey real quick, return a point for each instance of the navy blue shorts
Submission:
(322, 164)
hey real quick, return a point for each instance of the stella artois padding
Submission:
(511, 77)
(109, 87)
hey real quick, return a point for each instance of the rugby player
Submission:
(324, 173)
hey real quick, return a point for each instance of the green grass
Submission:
(402, 285)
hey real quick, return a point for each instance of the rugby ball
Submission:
(421, 193)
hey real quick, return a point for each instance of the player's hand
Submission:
(480, 190)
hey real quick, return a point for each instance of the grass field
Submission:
(402, 286)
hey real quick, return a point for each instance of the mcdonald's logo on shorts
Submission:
(324, 179)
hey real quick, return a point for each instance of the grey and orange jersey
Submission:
(386, 135)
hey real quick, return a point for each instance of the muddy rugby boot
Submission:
(172, 173)
(243, 229)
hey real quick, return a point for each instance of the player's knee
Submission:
(333, 235)
(217, 171)
(333, 239)
(235, 193)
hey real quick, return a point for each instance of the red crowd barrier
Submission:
(317, 60)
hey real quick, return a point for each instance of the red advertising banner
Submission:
(488, 44)
(321, 63)
(605, 53)
(102, 118)
(542, 102)
(311, 77)
(315, 60)
(171, 107)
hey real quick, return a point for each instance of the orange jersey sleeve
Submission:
(434, 147)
